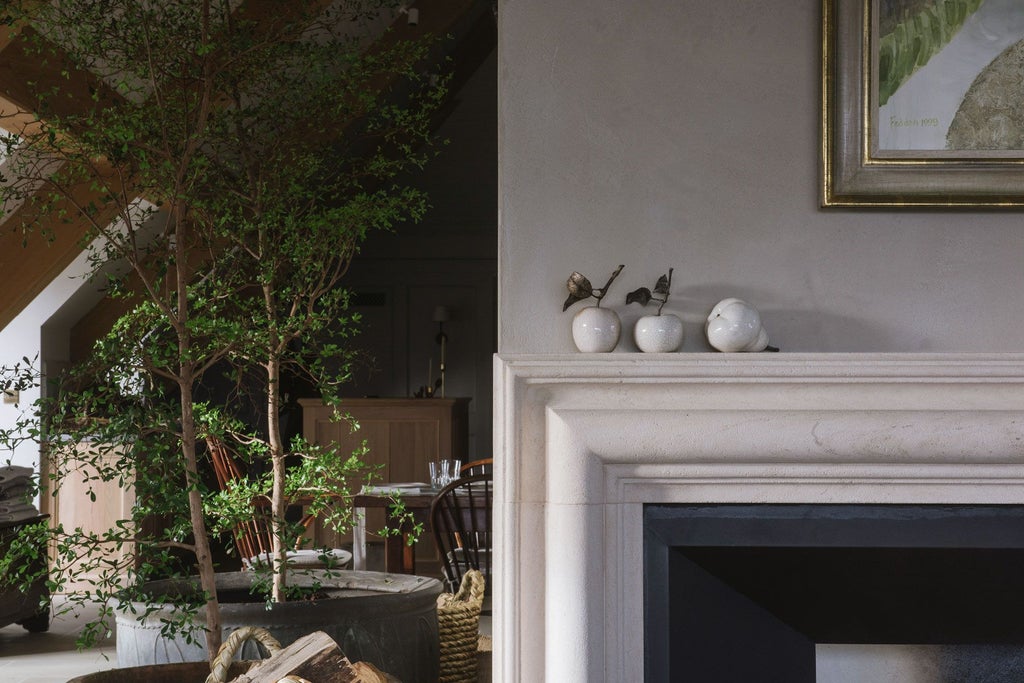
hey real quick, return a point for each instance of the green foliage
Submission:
(916, 38)
(227, 168)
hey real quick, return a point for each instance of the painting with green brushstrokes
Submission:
(950, 76)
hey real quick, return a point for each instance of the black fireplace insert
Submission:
(745, 592)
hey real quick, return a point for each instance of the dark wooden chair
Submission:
(254, 537)
(460, 517)
(481, 466)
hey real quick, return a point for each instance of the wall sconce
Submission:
(441, 316)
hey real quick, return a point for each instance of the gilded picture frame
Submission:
(893, 136)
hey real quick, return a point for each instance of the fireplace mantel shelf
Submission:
(586, 440)
(745, 364)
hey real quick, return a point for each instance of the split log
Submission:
(368, 673)
(315, 658)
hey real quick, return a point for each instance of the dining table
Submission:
(399, 553)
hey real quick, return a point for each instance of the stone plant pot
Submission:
(596, 330)
(658, 333)
(187, 672)
(388, 620)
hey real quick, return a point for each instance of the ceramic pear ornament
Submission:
(735, 326)
(659, 333)
(594, 329)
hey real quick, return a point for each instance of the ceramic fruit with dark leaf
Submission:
(658, 333)
(594, 329)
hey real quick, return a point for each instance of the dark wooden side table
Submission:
(399, 556)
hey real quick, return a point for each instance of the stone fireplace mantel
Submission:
(582, 442)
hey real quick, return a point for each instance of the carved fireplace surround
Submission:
(583, 441)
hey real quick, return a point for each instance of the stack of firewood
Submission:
(315, 658)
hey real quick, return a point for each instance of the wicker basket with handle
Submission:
(458, 621)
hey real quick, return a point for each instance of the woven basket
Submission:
(458, 621)
(226, 653)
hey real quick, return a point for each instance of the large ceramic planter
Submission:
(658, 333)
(386, 619)
(596, 330)
(189, 672)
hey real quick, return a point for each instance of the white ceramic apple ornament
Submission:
(594, 329)
(659, 333)
(735, 326)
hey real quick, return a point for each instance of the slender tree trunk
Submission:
(204, 557)
(186, 381)
(274, 439)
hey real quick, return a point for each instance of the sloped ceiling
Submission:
(29, 262)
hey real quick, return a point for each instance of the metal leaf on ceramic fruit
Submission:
(735, 326)
(579, 289)
(663, 284)
(640, 296)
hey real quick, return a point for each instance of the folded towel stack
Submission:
(15, 504)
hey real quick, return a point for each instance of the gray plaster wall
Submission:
(684, 133)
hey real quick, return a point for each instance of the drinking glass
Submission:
(453, 470)
(444, 472)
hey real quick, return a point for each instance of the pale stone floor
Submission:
(51, 657)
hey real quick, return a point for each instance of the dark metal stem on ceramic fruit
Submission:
(644, 296)
(580, 288)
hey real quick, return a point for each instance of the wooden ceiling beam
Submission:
(28, 79)
(31, 261)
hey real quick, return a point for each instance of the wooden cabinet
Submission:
(85, 501)
(403, 435)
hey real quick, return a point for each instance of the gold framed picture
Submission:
(922, 103)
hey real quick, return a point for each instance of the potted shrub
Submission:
(227, 165)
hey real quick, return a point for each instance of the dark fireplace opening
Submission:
(753, 592)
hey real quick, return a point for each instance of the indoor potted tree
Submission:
(230, 162)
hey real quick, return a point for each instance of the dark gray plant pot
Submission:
(190, 672)
(388, 620)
